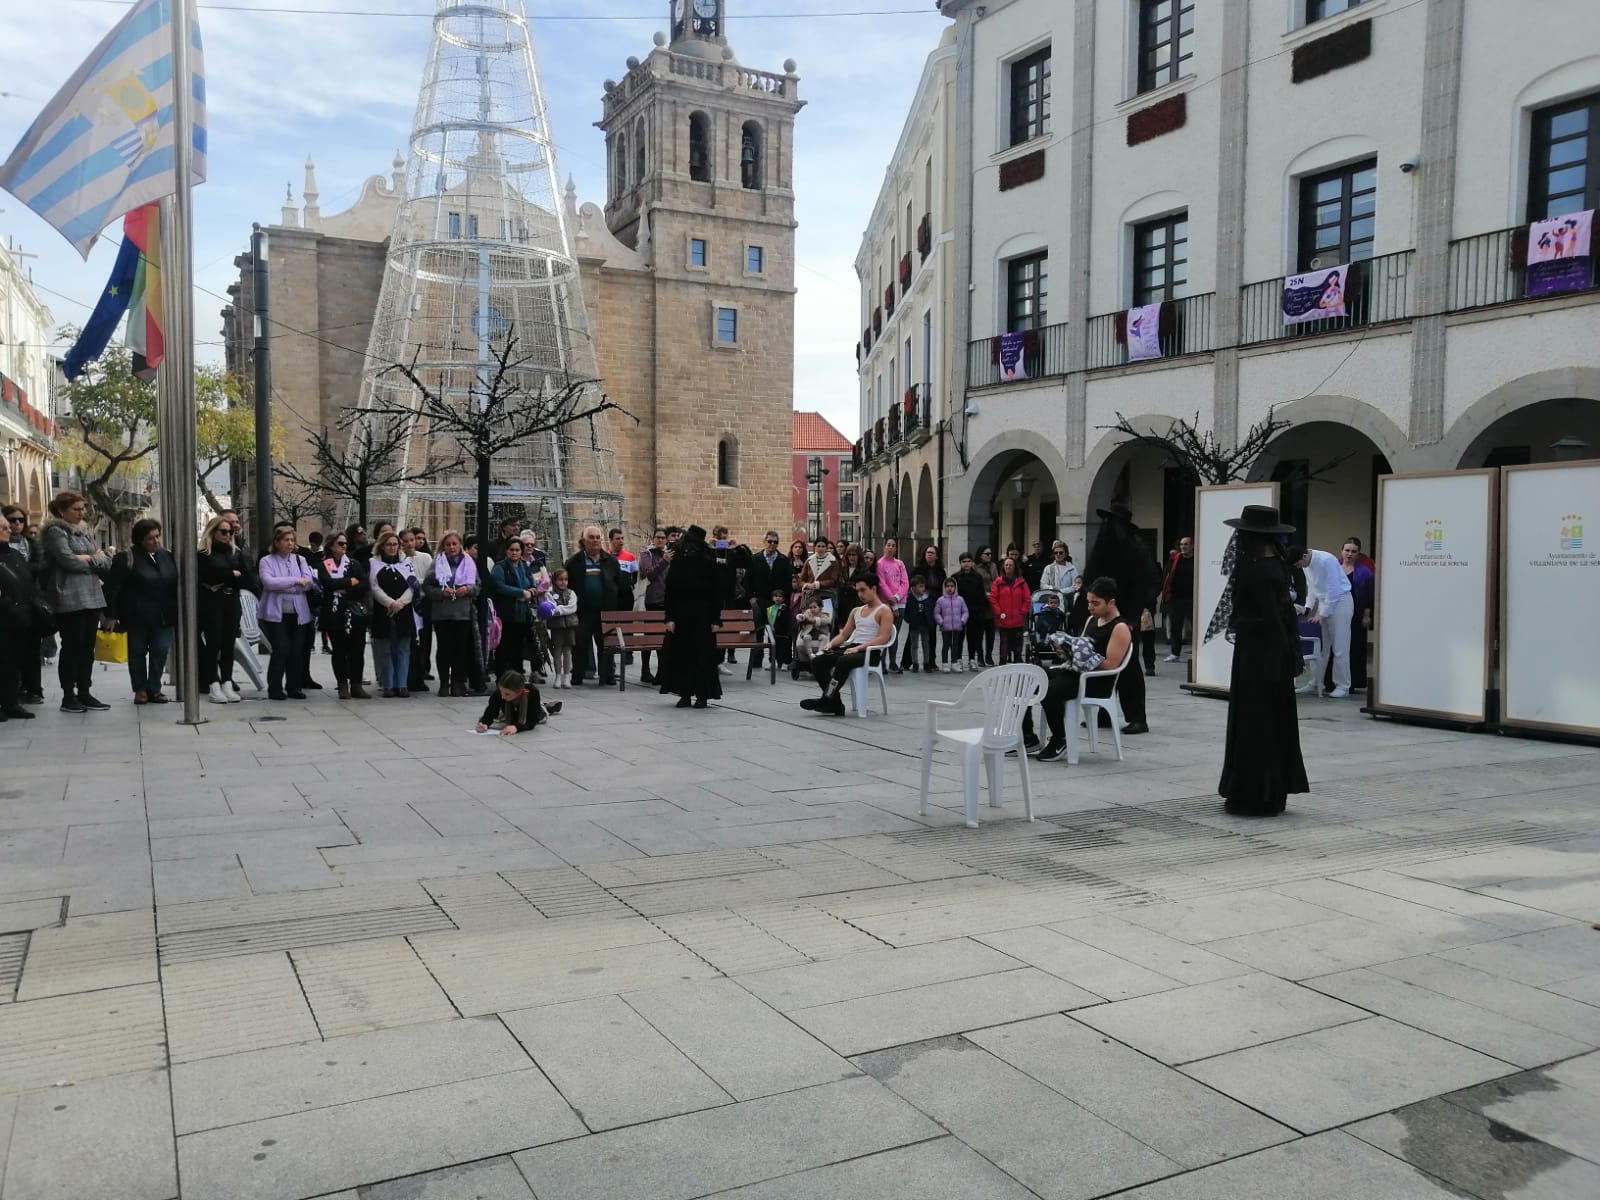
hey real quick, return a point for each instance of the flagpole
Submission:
(175, 412)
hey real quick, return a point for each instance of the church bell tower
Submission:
(700, 182)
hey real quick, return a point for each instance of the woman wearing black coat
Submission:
(1261, 762)
(694, 602)
(224, 571)
(142, 598)
(23, 621)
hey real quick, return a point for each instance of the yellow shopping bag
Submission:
(110, 647)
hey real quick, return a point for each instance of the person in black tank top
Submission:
(1112, 640)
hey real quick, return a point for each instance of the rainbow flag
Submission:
(134, 289)
(146, 335)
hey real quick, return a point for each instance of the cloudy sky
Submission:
(338, 79)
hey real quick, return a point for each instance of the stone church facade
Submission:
(687, 272)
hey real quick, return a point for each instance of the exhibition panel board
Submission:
(1211, 668)
(1434, 614)
(1550, 598)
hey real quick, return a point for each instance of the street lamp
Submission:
(1569, 449)
(815, 474)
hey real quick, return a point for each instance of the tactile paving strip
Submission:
(13, 948)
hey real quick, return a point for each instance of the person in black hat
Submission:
(694, 602)
(1121, 553)
(1261, 763)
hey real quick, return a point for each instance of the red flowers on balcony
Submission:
(877, 319)
(888, 300)
(905, 271)
(925, 236)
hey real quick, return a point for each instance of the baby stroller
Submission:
(1043, 621)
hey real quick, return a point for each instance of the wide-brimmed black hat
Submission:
(1259, 518)
(694, 534)
(1117, 512)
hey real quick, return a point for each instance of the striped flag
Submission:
(134, 289)
(104, 145)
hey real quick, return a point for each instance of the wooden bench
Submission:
(632, 630)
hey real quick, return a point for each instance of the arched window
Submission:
(752, 165)
(619, 167)
(727, 461)
(699, 147)
(639, 163)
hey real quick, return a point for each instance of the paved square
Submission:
(349, 951)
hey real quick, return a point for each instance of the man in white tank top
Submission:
(869, 629)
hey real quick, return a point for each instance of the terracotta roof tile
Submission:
(812, 431)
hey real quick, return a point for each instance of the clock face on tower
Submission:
(707, 17)
(705, 9)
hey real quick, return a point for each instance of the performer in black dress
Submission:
(1261, 763)
(693, 608)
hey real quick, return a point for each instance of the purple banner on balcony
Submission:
(1558, 254)
(1315, 295)
(1144, 332)
(1013, 363)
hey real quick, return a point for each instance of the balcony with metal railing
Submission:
(1491, 268)
(1044, 353)
(918, 419)
(1376, 291)
(1186, 328)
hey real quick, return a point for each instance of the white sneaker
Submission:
(724, 669)
(1310, 689)
(217, 695)
(231, 690)
(1172, 658)
(1339, 694)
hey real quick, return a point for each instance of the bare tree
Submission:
(498, 410)
(298, 502)
(374, 458)
(1201, 460)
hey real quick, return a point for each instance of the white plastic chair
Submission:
(1088, 708)
(861, 676)
(1008, 692)
(244, 646)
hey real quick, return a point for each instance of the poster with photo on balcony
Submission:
(1144, 332)
(1013, 356)
(1315, 295)
(1558, 254)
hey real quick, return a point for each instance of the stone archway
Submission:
(905, 511)
(1391, 441)
(1327, 472)
(1122, 471)
(926, 527)
(1520, 420)
(969, 504)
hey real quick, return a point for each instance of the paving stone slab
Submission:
(482, 902)
(302, 931)
(362, 986)
(13, 949)
(814, 933)
(1333, 1076)
(566, 892)
(233, 1005)
(1493, 1033)
(1475, 1154)
(239, 1088)
(71, 1039)
(1543, 957)
(1151, 950)
(875, 972)
(1212, 1018)
(25, 915)
(309, 1153)
(1576, 896)
(553, 962)
(1559, 1104)
(940, 1170)
(1161, 1107)
(1507, 915)
(108, 1139)
(701, 1153)
(728, 941)
(613, 1066)
(733, 1037)
(674, 867)
(490, 1179)
(88, 953)
(1212, 917)
(1330, 1166)
(1328, 946)
(219, 877)
(208, 915)
(934, 1010)
(1080, 964)
(1037, 1136)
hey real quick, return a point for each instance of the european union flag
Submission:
(104, 144)
(102, 323)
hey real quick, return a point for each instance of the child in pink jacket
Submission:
(950, 615)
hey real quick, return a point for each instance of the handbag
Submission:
(110, 647)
